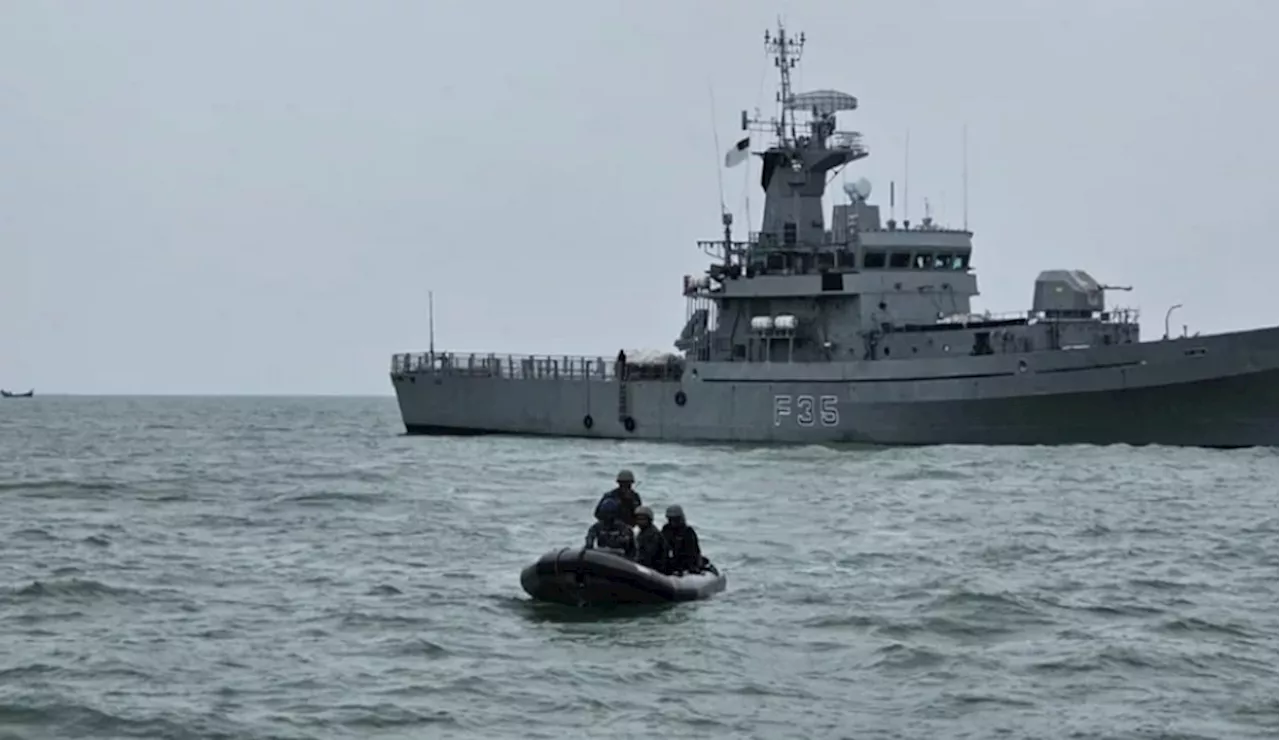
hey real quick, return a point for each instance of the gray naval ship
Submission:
(862, 332)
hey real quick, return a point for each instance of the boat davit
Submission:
(578, 576)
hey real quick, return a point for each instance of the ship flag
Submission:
(739, 153)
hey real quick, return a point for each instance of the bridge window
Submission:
(899, 260)
(844, 258)
(789, 233)
(923, 261)
(950, 261)
(826, 259)
(873, 260)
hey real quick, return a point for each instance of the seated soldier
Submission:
(682, 543)
(651, 548)
(610, 533)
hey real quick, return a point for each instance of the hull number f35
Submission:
(807, 410)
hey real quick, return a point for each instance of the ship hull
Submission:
(1214, 391)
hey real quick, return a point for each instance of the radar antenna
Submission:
(859, 190)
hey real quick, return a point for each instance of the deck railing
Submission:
(573, 367)
(515, 367)
(1117, 315)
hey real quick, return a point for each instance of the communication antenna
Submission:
(431, 323)
(906, 179)
(964, 173)
(715, 140)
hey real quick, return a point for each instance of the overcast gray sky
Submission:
(255, 197)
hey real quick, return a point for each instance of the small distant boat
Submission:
(11, 394)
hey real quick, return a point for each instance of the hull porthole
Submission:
(629, 424)
(681, 398)
(588, 422)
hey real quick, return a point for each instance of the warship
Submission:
(862, 332)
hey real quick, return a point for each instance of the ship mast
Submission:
(786, 55)
(808, 148)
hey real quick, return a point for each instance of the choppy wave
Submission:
(294, 568)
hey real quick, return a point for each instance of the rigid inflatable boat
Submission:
(581, 577)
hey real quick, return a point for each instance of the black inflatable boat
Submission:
(581, 577)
